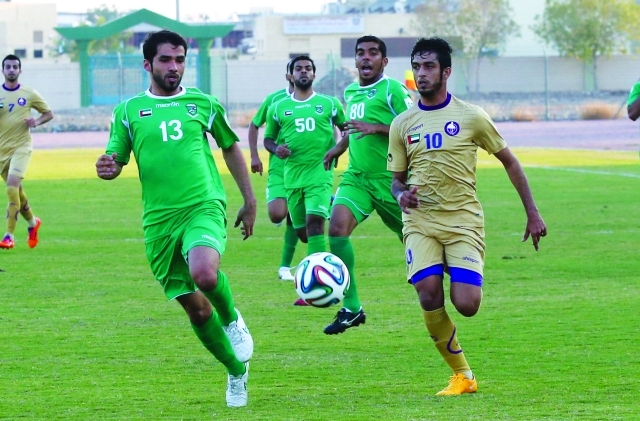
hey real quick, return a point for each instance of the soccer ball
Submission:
(321, 279)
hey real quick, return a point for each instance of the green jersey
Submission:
(378, 103)
(307, 128)
(167, 138)
(634, 94)
(260, 118)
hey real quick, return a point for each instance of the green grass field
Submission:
(86, 334)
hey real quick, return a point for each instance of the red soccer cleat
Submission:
(7, 242)
(33, 234)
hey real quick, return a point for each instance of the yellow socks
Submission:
(13, 209)
(443, 333)
(25, 209)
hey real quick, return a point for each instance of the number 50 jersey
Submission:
(167, 138)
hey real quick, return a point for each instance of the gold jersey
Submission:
(438, 146)
(15, 107)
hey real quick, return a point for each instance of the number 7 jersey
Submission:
(167, 138)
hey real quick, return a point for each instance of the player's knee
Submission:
(468, 307)
(205, 278)
(338, 228)
(276, 217)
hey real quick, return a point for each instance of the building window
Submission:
(20, 52)
(37, 53)
(37, 37)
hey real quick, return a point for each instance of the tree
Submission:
(474, 28)
(588, 29)
(96, 17)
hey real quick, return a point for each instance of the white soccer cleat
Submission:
(237, 394)
(240, 338)
(284, 273)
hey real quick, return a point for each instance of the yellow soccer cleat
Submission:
(459, 384)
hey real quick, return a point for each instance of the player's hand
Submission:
(31, 122)
(408, 199)
(246, 216)
(535, 229)
(331, 158)
(282, 151)
(354, 126)
(256, 165)
(106, 166)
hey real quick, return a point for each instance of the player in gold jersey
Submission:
(432, 154)
(16, 102)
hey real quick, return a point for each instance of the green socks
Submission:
(289, 248)
(217, 343)
(341, 247)
(316, 244)
(222, 300)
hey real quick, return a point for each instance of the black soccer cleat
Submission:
(344, 320)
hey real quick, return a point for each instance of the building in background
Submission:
(26, 29)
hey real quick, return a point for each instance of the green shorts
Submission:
(312, 200)
(203, 225)
(275, 179)
(363, 194)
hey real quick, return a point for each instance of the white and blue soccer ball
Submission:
(321, 279)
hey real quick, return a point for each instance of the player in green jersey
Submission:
(303, 125)
(276, 194)
(433, 155)
(633, 102)
(372, 103)
(184, 203)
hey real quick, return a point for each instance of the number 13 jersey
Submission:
(167, 138)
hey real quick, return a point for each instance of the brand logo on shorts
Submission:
(372, 93)
(319, 109)
(192, 109)
(452, 128)
(409, 255)
(389, 157)
(22, 102)
(210, 238)
(471, 259)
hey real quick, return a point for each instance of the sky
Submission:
(217, 10)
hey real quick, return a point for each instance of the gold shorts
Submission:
(429, 244)
(17, 163)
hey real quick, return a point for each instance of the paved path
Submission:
(621, 134)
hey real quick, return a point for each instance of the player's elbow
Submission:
(633, 114)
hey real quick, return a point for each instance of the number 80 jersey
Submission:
(167, 138)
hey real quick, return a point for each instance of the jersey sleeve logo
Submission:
(319, 109)
(192, 109)
(22, 102)
(452, 128)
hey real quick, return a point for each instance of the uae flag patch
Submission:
(413, 138)
(145, 112)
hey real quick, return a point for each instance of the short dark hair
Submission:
(12, 57)
(154, 39)
(370, 38)
(435, 45)
(292, 63)
(288, 67)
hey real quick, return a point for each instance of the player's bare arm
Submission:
(355, 126)
(256, 163)
(536, 227)
(281, 151)
(35, 122)
(406, 197)
(332, 155)
(238, 168)
(633, 110)
(107, 168)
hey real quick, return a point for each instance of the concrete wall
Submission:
(58, 83)
(18, 21)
